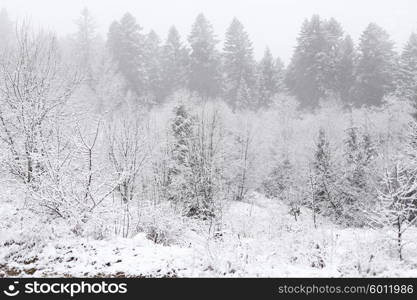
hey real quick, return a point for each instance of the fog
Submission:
(273, 23)
(189, 154)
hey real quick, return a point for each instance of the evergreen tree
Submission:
(192, 176)
(279, 180)
(239, 67)
(179, 173)
(328, 59)
(270, 78)
(174, 63)
(356, 193)
(153, 65)
(376, 66)
(126, 44)
(354, 159)
(368, 148)
(407, 73)
(280, 75)
(86, 45)
(325, 194)
(6, 29)
(205, 74)
(345, 71)
(312, 72)
(182, 128)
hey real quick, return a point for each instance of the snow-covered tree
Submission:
(180, 171)
(127, 153)
(376, 66)
(174, 63)
(270, 79)
(239, 67)
(325, 191)
(126, 44)
(34, 88)
(153, 66)
(407, 72)
(356, 191)
(345, 71)
(6, 29)
(86, 45)
(312, 72)
(205, 73)
(398, 205)
(328, 59)
(196, 177)
(279, 180)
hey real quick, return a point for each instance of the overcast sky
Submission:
(273, 23)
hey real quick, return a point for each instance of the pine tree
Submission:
(270, 79)
(205, 74)
(376, 66)
(174, 63)
(239, 67)
(126, 44)
(407, 73)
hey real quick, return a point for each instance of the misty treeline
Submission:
(129, 133)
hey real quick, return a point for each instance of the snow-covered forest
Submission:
(139, 155)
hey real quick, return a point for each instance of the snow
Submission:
(260, 239)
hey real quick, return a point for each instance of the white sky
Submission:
(275, 23)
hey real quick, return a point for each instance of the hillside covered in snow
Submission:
(260, 239)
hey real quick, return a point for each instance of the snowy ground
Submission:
(261, 239)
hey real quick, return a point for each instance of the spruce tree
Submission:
(6, 29)
(153, 66)
(179, 173)
(205, 73)
(311, 74)
(345, 70)
(174, 63)
(86, 44)
(239, 67)
(325, 194)
(376, 66)
(328, 58)
(356, 193)
(279, 180)
(407, 73)
(270, 79)
(354, 159)
(127, 47)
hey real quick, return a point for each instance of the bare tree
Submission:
(127, 153)
(398, 203)
(243, 143)
(34, 87)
